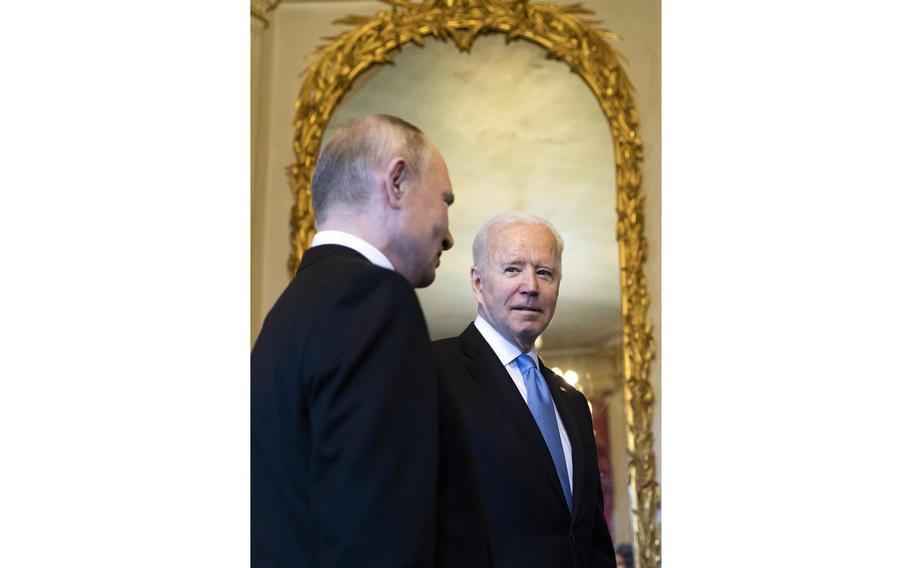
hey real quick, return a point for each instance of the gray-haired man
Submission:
(346, 430)
(531, 433)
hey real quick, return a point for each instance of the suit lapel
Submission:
(483, 365)
(563, 403)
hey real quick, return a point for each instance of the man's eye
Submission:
(545, 273)
(511, 269)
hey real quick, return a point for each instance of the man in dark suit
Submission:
(531, 432)
(346, 432)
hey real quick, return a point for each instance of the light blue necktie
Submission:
(541, 404)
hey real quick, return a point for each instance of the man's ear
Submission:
(392, 178)
(475, 284)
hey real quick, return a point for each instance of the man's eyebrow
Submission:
(448, 197)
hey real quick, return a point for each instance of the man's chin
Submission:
(425, 280)
(528, 332)
(527, 319)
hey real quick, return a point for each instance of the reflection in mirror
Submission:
(519, 131)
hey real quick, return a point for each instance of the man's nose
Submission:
(448, 241)
(529, 285)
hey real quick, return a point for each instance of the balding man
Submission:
(345, 413)
(530, 432)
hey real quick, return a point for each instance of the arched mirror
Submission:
(539, 146)
(520, 130)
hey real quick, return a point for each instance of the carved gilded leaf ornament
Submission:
(584, 48)
(259, 9)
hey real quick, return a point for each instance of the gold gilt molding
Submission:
(565, 36)
(259, 8)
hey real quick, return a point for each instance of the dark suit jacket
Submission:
(348, 428)
(530, 525)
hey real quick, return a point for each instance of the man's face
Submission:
(427, 222)
(516, 289)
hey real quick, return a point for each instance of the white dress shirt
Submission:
(506, 352)
(372, 253)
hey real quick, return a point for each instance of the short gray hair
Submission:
(346, 164)
(481, 246)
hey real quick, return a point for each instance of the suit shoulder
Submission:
(334, 287)
(387, 287)
(448, 354)
(349, 267)
(346, 276)
(577, 396)
(580, 400)
(446, 345)
(380, 276)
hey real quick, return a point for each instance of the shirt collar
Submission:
(372, 253)
(505, 350)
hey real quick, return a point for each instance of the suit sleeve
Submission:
(604, 554)
(373, 413)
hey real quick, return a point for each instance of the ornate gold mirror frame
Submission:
(584, 48)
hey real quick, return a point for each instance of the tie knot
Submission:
(525, 362)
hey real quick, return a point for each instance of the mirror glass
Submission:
(519, 131)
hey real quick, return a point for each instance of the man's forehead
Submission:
(438, 162)
(511, 244)
(515, 256)
(517, 234)
(439, 173)
(515, 250)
